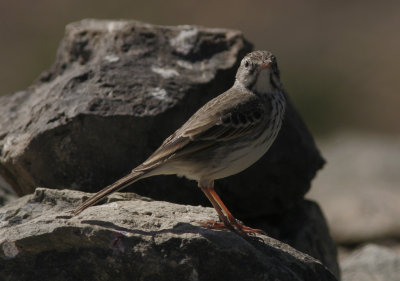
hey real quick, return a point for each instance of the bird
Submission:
(224, 137)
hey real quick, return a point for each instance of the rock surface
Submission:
(359, 188)
(6, 193)
(116, 90)
(139, 239)
(372, 263)
(304, 228)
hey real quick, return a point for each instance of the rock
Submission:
(359, 189)
(139, 239)
(372, 263)
(116, 90)
(6, 193)
(304, 228)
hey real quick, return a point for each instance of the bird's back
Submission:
(236, 118)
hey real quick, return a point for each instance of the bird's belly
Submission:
(223, 161)
(238, 160)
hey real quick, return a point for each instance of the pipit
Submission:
(223, 138)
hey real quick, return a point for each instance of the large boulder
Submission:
(116, 90)
(135, 238)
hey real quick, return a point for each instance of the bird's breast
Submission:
(227, 158)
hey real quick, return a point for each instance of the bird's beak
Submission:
(265, 64)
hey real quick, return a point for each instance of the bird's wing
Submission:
(224, 118)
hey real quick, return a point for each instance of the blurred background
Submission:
(339, 62)
(339, 59)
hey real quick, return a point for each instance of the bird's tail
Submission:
(119, 184)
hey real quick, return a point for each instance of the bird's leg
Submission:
(213, 224)
(221, 204)
(232, 221)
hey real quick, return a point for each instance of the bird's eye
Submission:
(246, 64)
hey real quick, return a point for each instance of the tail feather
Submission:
(121, 183)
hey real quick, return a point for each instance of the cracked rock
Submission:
(135, 238)
(116, 90)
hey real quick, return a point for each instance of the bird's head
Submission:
(258, 72)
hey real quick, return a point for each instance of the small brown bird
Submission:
(223, 138)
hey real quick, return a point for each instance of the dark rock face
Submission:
(116, 90)
(139, 239)
(305, 229)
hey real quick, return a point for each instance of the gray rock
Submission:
(116, 90)
(305, 229)
(372, 263)
(6, 193)
(359, 188)
(139, 239)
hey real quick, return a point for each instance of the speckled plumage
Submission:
(224, 137)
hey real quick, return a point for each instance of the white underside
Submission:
(263, 83)
(241, 159)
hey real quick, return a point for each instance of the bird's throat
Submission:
(263, 83)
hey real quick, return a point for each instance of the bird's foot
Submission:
(211, 224)
(246, 230)
(232, 225)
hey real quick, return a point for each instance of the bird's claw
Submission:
(211, 224)
(233, 225)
